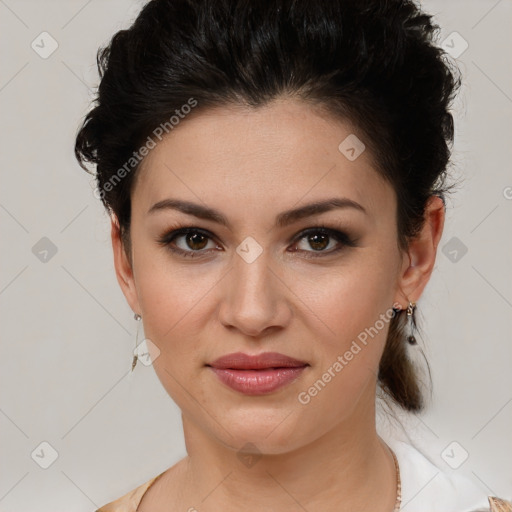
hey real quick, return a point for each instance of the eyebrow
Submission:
(283, 219)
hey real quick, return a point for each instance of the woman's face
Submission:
(256, 283)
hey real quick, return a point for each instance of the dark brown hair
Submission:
(372, 62)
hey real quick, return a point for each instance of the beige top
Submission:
(130, 501)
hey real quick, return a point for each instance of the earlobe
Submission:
(419, 263)
(123, 267)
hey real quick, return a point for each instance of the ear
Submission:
(123, 267)
(419, 263)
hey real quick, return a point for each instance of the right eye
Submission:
(193, 241)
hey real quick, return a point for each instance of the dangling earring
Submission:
(412, 323)
(135, 357)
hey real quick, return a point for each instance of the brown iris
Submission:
(318, 241)
(195, 239)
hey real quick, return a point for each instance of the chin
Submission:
(268, 434)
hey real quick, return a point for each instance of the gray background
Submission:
(68, 334)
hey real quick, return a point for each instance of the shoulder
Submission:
(130, 501)
(425, 487)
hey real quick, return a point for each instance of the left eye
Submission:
(318, 239)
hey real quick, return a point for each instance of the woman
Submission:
(275, 173)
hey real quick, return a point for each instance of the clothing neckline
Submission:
(147, 486)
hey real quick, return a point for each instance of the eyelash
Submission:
(341, 237)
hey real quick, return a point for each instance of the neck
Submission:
(347, 468)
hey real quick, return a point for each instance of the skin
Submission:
(251, 165)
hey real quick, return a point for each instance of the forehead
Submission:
(247, 160)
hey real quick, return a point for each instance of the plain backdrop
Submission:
(68, 334)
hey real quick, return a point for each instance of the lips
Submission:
(241, 361)
(259, 374)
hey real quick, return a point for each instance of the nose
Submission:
(255, 298)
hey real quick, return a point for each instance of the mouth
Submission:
(257, 374)
(263, 361)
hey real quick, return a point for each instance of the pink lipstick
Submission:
(257, 374)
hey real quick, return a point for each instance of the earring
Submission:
(412, 323)
(135, 357)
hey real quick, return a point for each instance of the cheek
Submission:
(354, 305)
(174, 320)
(173, 298)
(350, 300)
